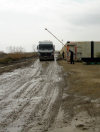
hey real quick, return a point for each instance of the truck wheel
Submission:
(53, 59)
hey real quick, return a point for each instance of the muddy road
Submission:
(30, 98)
(35, 99)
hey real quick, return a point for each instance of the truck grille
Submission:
(45, 54)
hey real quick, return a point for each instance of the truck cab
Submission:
(46, 50)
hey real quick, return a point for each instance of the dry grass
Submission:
(83, 79)
(12, 57)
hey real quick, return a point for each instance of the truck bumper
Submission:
(46, 57)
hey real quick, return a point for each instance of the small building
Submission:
(81, 49)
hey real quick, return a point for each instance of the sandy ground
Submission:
(83, 79)
(83, 100)
(40, 98)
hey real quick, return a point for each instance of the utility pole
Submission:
(55, 37)
(58, 39)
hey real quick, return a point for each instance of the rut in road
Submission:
(30, 98)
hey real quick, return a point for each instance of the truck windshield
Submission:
(45, 46)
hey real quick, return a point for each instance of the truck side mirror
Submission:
(37, 47)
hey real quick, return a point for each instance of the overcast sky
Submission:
(22, 22)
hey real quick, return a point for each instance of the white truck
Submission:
(46, 50)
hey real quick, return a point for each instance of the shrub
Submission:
(12, 57)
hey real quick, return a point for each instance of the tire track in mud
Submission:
(13, 85)
(15, 82)
(42, 112)
(35, 102)
(9, 100)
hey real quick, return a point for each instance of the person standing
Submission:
(71, 57)
(63, 54)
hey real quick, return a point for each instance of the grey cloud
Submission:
(83, 14)
(26, 19)
(84, 19)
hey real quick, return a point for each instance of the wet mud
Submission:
(35, 99)
(30, 97)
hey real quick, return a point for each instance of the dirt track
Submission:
(30, 97)
(34, 99)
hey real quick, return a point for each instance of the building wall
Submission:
(86, 48)
(83, 49)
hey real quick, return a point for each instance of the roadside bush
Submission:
(5, 60)
(12, 57)
(2, 54)
(16, 54)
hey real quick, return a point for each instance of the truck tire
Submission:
(53, 59)
(40, 59)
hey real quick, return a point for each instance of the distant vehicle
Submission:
(46, 50)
